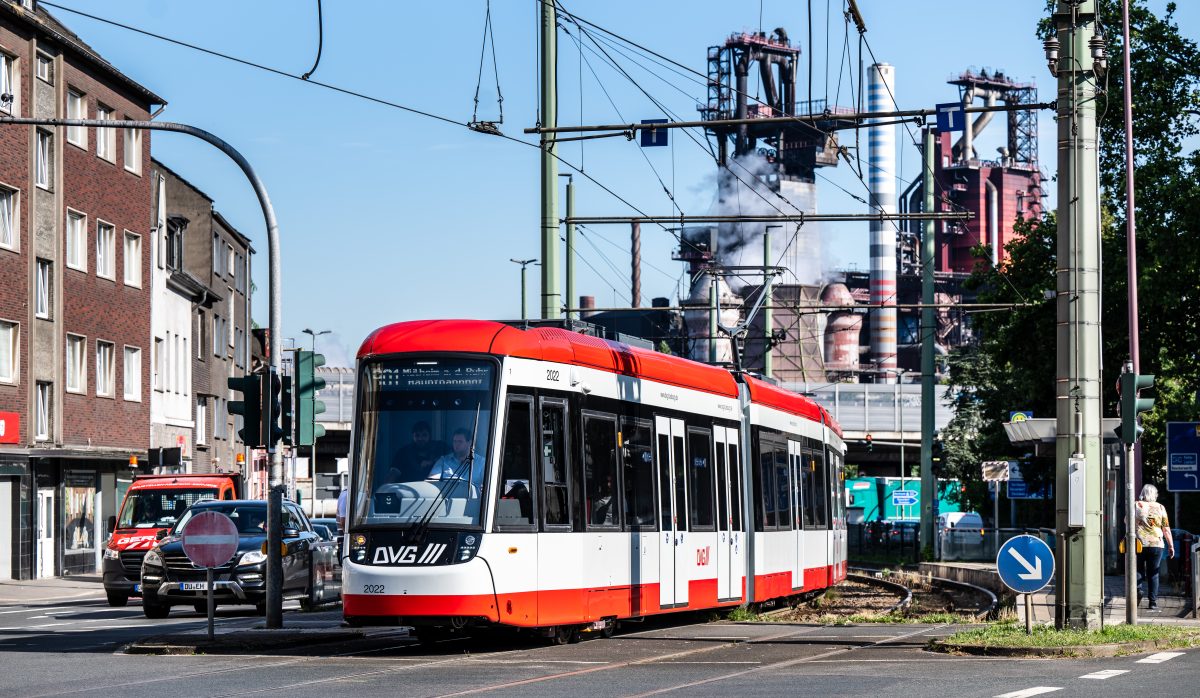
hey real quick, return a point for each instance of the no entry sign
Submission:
(210, 539)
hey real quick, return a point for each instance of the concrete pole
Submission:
(635, 262)
(551, 299)
(1078, 388)
(1131, 609)
(928, 329)
(571, 315)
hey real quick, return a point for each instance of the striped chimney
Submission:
(882, 166)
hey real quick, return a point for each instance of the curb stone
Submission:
(1073, 651)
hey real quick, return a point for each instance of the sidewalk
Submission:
(43, 591)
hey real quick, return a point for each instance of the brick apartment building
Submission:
(75, 295)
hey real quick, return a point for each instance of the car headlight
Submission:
(153, 558)
(111, 554)
(252, 558)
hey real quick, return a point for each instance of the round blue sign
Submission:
(1025, 564)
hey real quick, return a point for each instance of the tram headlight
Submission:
(358, 547)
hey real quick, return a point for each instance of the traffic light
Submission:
(1132, 405)
(870, 444)
(248, 407)
(938, 462)
(270, 412)
(307, 404)
(287, 411)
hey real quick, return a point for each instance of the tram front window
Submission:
(423, 428)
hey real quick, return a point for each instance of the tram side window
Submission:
(815, 481)
(638, 474)
(783, 489)
(664, 481)
(804, 472)
(554, 463)
(701, 479)
(735, 488)
(837, 485)
(515, 504)
(766, 485)
(722, 489)
(600, 470)
(681, 509)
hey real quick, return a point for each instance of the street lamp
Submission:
(314, 336)
(524, 263)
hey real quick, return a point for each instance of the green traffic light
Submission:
(307, 405)
(1132, 405)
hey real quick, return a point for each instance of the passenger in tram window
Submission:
(604, 510)
(451, 464)
(519, 490)
(415, 461)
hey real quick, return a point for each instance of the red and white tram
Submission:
(542, 478)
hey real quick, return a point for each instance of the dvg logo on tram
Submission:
(407, 554)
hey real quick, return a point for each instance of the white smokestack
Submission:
(882, 165)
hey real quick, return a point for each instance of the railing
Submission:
(890, 542)
(982, 544)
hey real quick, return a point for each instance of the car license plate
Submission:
(193, 586)
(137, 588)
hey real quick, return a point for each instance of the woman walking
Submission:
(1152, 529)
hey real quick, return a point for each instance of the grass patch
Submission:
(1013, 635)
(742, 614)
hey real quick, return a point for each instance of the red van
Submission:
(152, 504)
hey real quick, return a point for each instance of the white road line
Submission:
(48, 625)
(1159, 657)
(35, 609)
(1105, 674)
(1035, 691)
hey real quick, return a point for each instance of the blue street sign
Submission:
(904, 498)
(1025, 564)
(1018, 488)
(656, 137)
(951, 117)
(1183, 456)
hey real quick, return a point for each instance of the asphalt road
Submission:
(74, 649)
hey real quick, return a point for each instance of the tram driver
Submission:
(454, 464)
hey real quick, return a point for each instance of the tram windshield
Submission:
(423, 429)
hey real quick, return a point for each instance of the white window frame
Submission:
(132, 374)
(77, 223)
(45, 67)
(10, 218)
(201, 421)
(77, 109)
(105, 368)
(42, 411)
(75, 356)
(106, 250)
(43, 155)
(230, 261)
(132, 263)
(156, 379)
(43, 281)
(10, 336)
(106, 138)
(10, 82)
(133, 150)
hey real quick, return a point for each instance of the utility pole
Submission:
(635, 264)
(928, 329)
(768, 294)
(1131, 235)
(1070, 56)
(712, 316)
(524, 263)
(551, 301)
(572, 314)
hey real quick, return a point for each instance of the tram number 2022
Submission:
(372, 589)
(552, 375)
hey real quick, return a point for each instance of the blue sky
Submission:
(386, 215)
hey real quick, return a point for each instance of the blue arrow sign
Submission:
(1183, 457)
(904, 498)
(951, 117)
(1025, 564)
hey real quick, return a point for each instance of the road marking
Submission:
(48, 625)
(1035, 691)
(1105, 674)
(1159, 657)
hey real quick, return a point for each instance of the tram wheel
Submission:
(564, 634)
(428, 637)
(610, 629)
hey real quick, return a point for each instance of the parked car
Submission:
(170, 579)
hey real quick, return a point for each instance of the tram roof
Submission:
(763, 393)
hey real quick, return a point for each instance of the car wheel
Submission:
(117, 598)
(153, 609)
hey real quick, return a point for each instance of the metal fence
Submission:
(892, 542)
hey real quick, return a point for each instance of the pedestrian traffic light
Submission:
(1128, 386)
(287, 411)
(307, 404)
(248, 407)
(270, 412)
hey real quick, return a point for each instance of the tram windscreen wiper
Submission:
(455, 480)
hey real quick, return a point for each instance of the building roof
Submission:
(233, 231)
(41, 20)
(156, 163)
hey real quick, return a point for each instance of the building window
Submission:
(41, 416)
(76, 109)
(104, 369)
(133, 150)
(133, 259)
(201, 334)
(174, 246)
(201, 421)
(133, 374)
(8, 351)
(8, 84)
(239, 274)
(218, 256)
(76, 241)
(230, 261)
(106, 250)
(106, 138)
(239, 342)
(8, 218)
(219, 418)
(229, 322)
(42, 285)
(41, 170)
(45, 70)
(157, 359)
(76, 364)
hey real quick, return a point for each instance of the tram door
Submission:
(796, 466)
(673, 571)
(730, 552)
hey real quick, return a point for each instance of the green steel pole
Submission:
(1078, 385)
(523, 306)
(768, 314)
(571, 299)
(928, 328)
(712, 319)
(551, 300)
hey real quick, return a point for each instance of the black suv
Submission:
(170, 579)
